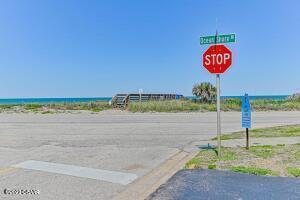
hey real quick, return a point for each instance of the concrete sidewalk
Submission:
(252, 142)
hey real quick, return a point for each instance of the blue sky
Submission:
(98, 48)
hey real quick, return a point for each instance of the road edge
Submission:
(146, 185)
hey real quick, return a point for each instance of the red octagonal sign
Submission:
(217, 59)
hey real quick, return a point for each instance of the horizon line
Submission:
(90, 97)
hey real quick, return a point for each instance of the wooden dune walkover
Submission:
(122, 100)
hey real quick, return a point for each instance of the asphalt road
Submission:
(111, 141)
(223, 185)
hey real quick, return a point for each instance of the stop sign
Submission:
(217, 59)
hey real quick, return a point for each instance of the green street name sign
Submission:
(217, 39)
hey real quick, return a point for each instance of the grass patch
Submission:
(294, 171)
(32, 106)
(212, 166)
(203, 159)
(194, 163)
(258, 160)
(206, 158)
(227, 154)
(278, 131)
(96, 109)
(8, 106)
(297, 156)
(95, 106)
(252, 170)
(265, 151)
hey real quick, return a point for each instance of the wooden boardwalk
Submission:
(122, 100)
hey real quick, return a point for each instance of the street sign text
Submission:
(217, 39)
(246, 112)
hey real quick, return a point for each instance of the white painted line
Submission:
(84, 172)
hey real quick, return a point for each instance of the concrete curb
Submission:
(146, 185)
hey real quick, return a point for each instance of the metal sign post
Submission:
(217, 59)
(218, 114)
(247, 138)
(246, 117)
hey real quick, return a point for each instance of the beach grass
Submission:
(90, 106)
(8, 106)
(183, 105)
(51, 108)
(32, 106)
(169, 106)
(187, 105)
(276, 105)
(277, 131)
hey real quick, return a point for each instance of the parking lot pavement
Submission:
(220, 185)
(100, 144)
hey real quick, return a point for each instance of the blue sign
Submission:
(246, 112)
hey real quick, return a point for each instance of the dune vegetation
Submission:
(183, 105)
(187, 105)
(56, 107)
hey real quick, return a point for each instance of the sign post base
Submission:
(247, 138)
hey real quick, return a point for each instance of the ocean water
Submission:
(52, 100)
(271, 97)
(91, 99)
